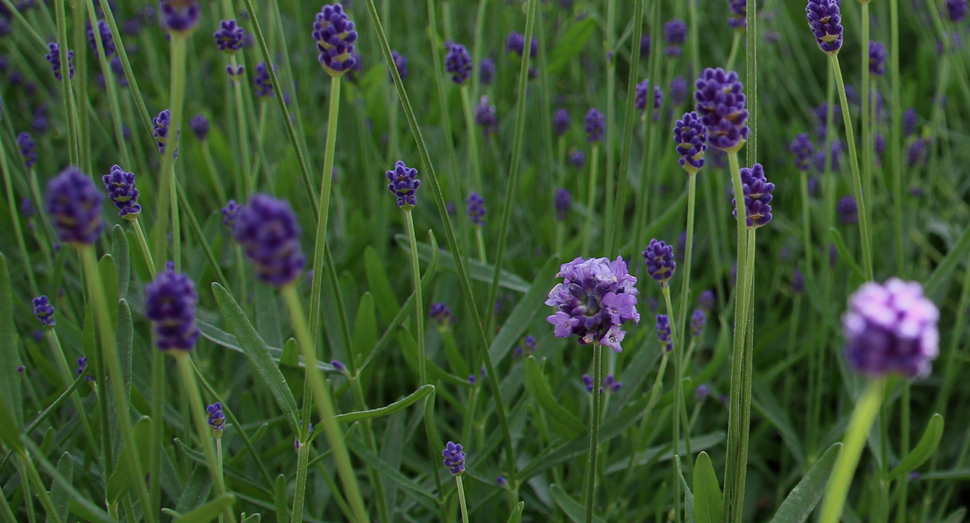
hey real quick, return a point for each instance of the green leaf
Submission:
(924, 449)
(801, 501)
(957, 516)
(280, 499)
(60, 497)
(572, 43)
(957, 474)
(209, 511)
(844, 253)
(380, 285)
(662, 452)
(943, 271)
(516, 515)
(229, 341)
(138, 258)
(365, 328)
(688, 495)
(573, 510)
(352, 417)
(431, 428)
(267, 310)
(525, 310)
(257, 352)
(86, 513)
(10, 382)
(476, 269)
(291, 353)
(123, 344)
(423, 496)
(564, 421)
(707, 491)
(120, 480)
(252, 518)
(119, 250)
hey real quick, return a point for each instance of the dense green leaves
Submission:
(565, 422)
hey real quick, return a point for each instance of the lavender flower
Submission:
(335, 37)
(442, 314)
(738, 12)
(515, 43)
(916, 153)
(486, 71)
(675, 34)
(106, 40)
(235, 72)
(659, 258)
(82, 363)
(229, 213)
(229, 37)
(664, 334)
(563, 202)
(678, 91)
(27, 207)
(122, 191)
(803, 150)
(594, 300)
(891, 328)
(641, 96)
(404, 184)
(910, 120)
(757, 196)
(262, 80)
(485, 116)
(701, 393)
(179, 16)
(200, 127)
(721, 105)
(27, 149)
(797, 282)
(610, 384)
(588, 381)
(44, 311)
(594, 125)
(74, 204)
(957, 9)
(577, 158)
(690, 135)
(475, 207)
(401, 63)
(54, 57)
(458, 63)
(697, 321)
(645, 46)
(835, 157)
(825, 20)
(877, 58)
(269, 234)
(706, 300)
(162, 123)
(454, 458)
(848, 210)
(216, 419)
(170, 303)
(561, 122)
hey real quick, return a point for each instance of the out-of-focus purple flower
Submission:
(738, 12)
(879, 144)
(952, 38)
(262, 80)
(27, 149)
(486, 71)
(451, 208)
(910, 120)
(678, 90)
(216, 419)
(122, 191)
(442, 314)
(131, 27)
(588, 381)
(848, 210)
(561, 121)
(161, 134)
(721, 105)
(458, 63)
(697, 321)
(229, 213)
(179, 16)
(475, 207)
(27, 207)
(200, 126)
(485, 116)
(404, 184)
(957, 9)
(454, 458)
(833, 255)
(401, 63)
(797, 282)
(610, 384)
(515, 43)
(891, 328)
(594, 125)
(641, 96)
(877, 58)
(235, 72)
(757, 196)
(594, 300)
(170, 302)
(664, 334)
(706, 300)
(54, 57)
(335, 36)
(74, 204)
(269, 234)
(835, 157)
(659, 257)
(577, 158)
(563, 201)
(701, 393)
(44, 311)
(229, 37)
(645, 46)
(803, 150)
(690, 135)
(825, 20)
(916, 153)
(338, 366)
(675, 34)
(106, 40)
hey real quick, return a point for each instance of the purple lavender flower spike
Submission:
(486, 71)
(697, 321)
(442, 314)
(44, 311)
(610, 384)
(515, 43)
(54, 57)
(161, 134)
(757, 196)
(563, 201)
(262, 80)
(825, 20)
(721, 104)
(401, 63)
(485, 116)
(835, 157)
(664, 335)
(706, 300)
(404, 184)
(106, 40)
(27, 149)
(678, 90)
(803, 150)
(74, 204)
(454, 458)
(659, 258)
(645, 42)
(891, 328)
(475, 207)
(179, 16)
(877, 58)
(502, 482)
(216, 419)
(594, 300)
(229, 37)
(957, 9)
(588, 381)
(335, 36)
(200, 127)
(170, 303)
(738, 13)
(577, 158)
(641, 96)
(916, 153)
(458, 63)
(122, 191)
(269, 234)
(910, 120)
(27, 207)
(594, 125)
(675, 34)
(848, 210)
(229, 213)
(797, 282)
(561, 121)
(690, 135)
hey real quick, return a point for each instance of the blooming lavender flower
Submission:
(797, 282)
(74, 204)
(803, 150)
(486, 71)
(200, 126)
(269, 234)
(848, 210)
(697, 321)
(588, 381)
(757, 196)
(442, 314)
(594, 125)
(825, 20)
(229, 37)
(721, 105)
(515, 43)
(561, 121)
(106, 39)
(891, 328)
(577, 158)
(701, 393)
(161, 124)
(54, 57)
(122, 191)
(485, 116)
(957, 9)
(170, 302)
(335, 36)
(262, 80)
(27, 149)
(475, 207)
(877, 58)
(594, 300)
(229, 213)
(916, 153)
(216, 419)
(401, 63)
(835, 157)
(454, 458)
(659, 258)
(44, 311)
(675, 34)
(610, 384)
(458, 63)
(404, 184)
(678, 90)
(179, 16)
(690, 135)
(664, 334)
(910, 120)
(706, 300)
(641, 96)
(738, 13)
(563, 202)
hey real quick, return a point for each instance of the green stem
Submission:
(806, 224)
(480, 245)
(158, 429)
(248, 184)
(895, 136)
(213, 173)
(688, 259)
(461, 499)
(591, 198)
(735, 45)
(678, 397)
(419, 303)
(218, 459)
(866, 107)
(25, 480)
(853, 442)
(67, 93)
(143, 243)
(34, 477)
(111, 88)
(594, 422)
(610, 123)
(299, 492)
(68, 377)
(904, 448)
(15, 219)
(472, 138)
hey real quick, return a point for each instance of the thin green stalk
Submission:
(735, 45)
(299, 491)
(480, 245)
(158, 429)
(249, 184)
(472, 137)
(110, 86)
(167, 197)
(678, 397)
(594, 422)
(747, 377)
(477, 47)
(143, 244)
(866, 123)
(213, 173)
(751, 82)
(806, 224)
(324, 404)
(853, 443)
(126, 65)
(856, 176)
(377, 482)
(61, 360)
(439, 81)
(461, 499)
(591, 198)
(34, 477)
(904, 448)
(643, 194)
(419, 303)
(688, 259)
(15, 219)
(610, 123)
(25, 481)
(67, 92)
(895, 135)
(218, 460)
(81, 101)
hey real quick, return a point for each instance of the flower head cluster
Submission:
(675, 34)
(957, 9)
(641, 95)
(834, 157)
(891, 328)
(475, 207)
(664, 334)
(721, 105)
(910, 120)
(74, 204)
(458, 63)
(106, 39)
(803, 150)
(485, 116)
(515, 43)
(563, 201)
(486, 71)
(916, 153)
(825, 20)
(179, 16)
(561, 121)
(877, 58)
(216, 419)
(690, 135)
(229, 213)
(404, 184)
(706, 300)
(442, 314)
(335, 37)
(678, 90)
(200, 127)
(27, 207)
(594, 300)
(401, 63)
(757, 196)
(697, 321)
(229, 37)
(262, 80)
(848, 210)
(609, 383)
(659, 257)
(269, 234)
(170, 302)
(54, 57)
(122, 191)
(27, 149)
(454, 458)
(739, 10)
(594, 125)
(797, 282)
(44, 311)
(162, 122)
(577, 158)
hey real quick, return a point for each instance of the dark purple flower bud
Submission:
(200, 127)
(515, 43)
(803, 150)
(825, 20)
(645, 46)
(82, 363)
(131, 27)
(74, 204)
(697, 321)
(701, 393)
(401, 63)
(678, 91)
(486, 71)
(335, 36)
(663, 332)
(798, 282)
(472, 379)
(235, 72)
(269, 234)
(848, 210)
(27, 149)
(675, 34)
(690, 135)
(54, 57)
(27, 207)
(451, 208)
(594, 300)
(659, 258)
(106, 39)
(502, 482)
(485, 116)
(458, 63)
(957, 9)
(910, 120)
(530, 343)
(339, 366)
(738, 13)
(122, 191)
(561, 122)
(475, 207)
(563, 202)
(588, 381)
(951, 37)
(721, 105)
(595, 125)
(877, 58)
(44, 311)
(442, 314)
(216, 419)
(229, 37)
(916, 153)
(229, 213)
(610, 384)
(577, 158)
(404, 184)
(170, 302)
(706, 300)
(161, 134)
(454, 458)
(757, 196)
(913, 476)
(179, 16)
(835, 157)
(262, 80)
(891, 328)
(641, 96)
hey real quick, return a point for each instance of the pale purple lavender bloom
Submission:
(485, 116)
(848, 210)
(706, 300)
(486, 71)
(697, 321)
(563, 201)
